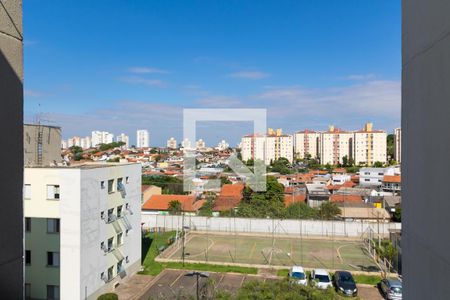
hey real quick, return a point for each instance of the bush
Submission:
(108, 296)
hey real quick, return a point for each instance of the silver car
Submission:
(391, 288)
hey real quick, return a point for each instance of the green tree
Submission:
(104, 147)
(390, 145)
(282, 166)
(329, 211)
(174, 207)
(398, 214)
(378, 164)
(301, 210)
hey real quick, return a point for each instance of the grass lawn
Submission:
(152, 242)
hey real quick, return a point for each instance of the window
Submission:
(110, 215)
(119, 267)
(119, 211)
(110, 244)
(102, 185)
(367, 179)
(27, 191)
(27, 224)
(53, 192)
(27, 257)
(27, 290)
(127, 179)
(111, 186)
(119, 184)
(119, 239)
(53, 259)
(102, 215)
(52, 225)
(52, 292)
(110, 273)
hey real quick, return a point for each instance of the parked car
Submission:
(391, 288)
(321, 279)
(345, 283)
(297, 275)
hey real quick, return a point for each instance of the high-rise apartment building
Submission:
(222, 145)
(186, 143)
(268, 147)
(398, 144)
(101, 137)
(123, 138)
(172, 143)
(306, 143)
(85, 142)
(370, 145)
(82, 229)
(364, 146)
(142, 138)
(200, 144)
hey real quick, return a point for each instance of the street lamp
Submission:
(197, 275)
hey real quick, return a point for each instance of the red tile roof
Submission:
(345, 198)
(392, 178)
(288, 199)
(230, 197)
(161, 202)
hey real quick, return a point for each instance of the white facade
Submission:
(86, 143)
(142, 138)
(186, 143)
(307, 142)
(63, 144)
(101, 137)
(123, 138)
(74, 141)
(97, 242)
(365, 146)
(335, 144)
(200, 144)
(172, 143)
(267, 148)
(398, 145)
(222, 145)
(371, 176)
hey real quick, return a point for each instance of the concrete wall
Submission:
(51, 144)
(260, 226)
(11, 122)
(426, 148)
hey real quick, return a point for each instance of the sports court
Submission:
(272, 251)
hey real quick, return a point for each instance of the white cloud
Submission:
(219, 101)
(146, 70)
(144, 81)
(252, 75)
(369, 76)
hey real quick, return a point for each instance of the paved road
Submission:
(173, 284)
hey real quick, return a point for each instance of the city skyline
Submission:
(307, 64)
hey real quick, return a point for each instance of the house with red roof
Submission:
(229, 198)
(159, 204)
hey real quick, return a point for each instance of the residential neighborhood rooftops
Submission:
(161, 202)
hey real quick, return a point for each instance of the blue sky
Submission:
(124, 65)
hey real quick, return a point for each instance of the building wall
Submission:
(307, 143)
(398, 145)
(82, 199)
(51, 144)
(426, 145)
(11, 121)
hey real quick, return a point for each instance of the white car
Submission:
(297, 275)
(321, 279)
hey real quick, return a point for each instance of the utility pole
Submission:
(183, 239)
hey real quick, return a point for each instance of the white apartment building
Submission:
(63, 144)
(335, 144)
(268, 148)
(370, 146)
(200, 144)
(253, 147)
(307, 142)
(365, 146)
(86, 143)
(371, 176)
(186, 144)
(142, 138)
(74, 141)
(172, 143)
(82, 224)
(123, 138)
(101, 137)
(222, 145)
(398, 144)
